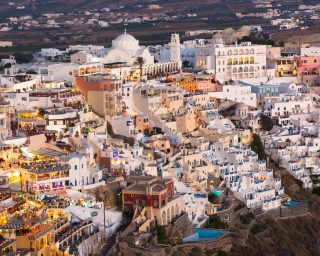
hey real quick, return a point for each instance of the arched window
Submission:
(246, 60)
(235, 52)
(240, 60)
(246, 69)
(229, 52)
(234, 70)
(247, 51)
(229, 61)
(251, 60)
(235, 61)
(251, 51)
(241, 52)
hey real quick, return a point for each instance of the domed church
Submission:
(125, 48)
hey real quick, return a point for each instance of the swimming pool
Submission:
(200, 195)
(203, 235)
(294, 203)
(217, 192)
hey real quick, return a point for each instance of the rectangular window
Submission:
(155, 203)
(76, 167)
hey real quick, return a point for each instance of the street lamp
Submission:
(20, 181)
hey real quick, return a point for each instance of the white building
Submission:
(232, 62)
(93, 49)
(175, 54)
(310, 51)
(68, 71)
(82, 175)
(237, 93)
(125, 48)
(280, 108)
(50, 52)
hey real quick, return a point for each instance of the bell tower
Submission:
(175, 48)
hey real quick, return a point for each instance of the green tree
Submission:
(161, 234)
(196, 251)
(222, 253)
(212, 198)
(23, 57)
(140, 62)
(257, 146)
(257, 228)
(7, 65)
(266, 123)
(215, 222)
(246, 218)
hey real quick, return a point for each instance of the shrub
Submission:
(212, 198)
(196, 251)
(162, 235)
(215, 222)
(222, 253)
(257, 146)
(246, 218)
(258, 228)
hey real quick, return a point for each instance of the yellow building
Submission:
(286, 67)
(39, 238)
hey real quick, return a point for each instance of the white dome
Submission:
(125, 42)
(124, 37)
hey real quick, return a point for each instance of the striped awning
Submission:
(12, 226)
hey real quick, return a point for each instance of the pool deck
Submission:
(207, 240)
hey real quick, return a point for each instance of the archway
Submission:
(172, 212)
(168, 215)
(164, 218)
(235, 61)
(177, 210)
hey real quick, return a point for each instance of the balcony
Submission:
(40, 231)
(70, 230)
(44, 167)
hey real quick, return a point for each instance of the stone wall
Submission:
(184, 226)
(222, 104)
(285, 211)
(226, 215)
(208, 247)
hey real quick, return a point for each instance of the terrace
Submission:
(68, 231)
(6, 246)
(39, 231)
(45, 167)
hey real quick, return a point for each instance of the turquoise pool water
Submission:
(293, 203)
(203, 235)
(217, 192)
